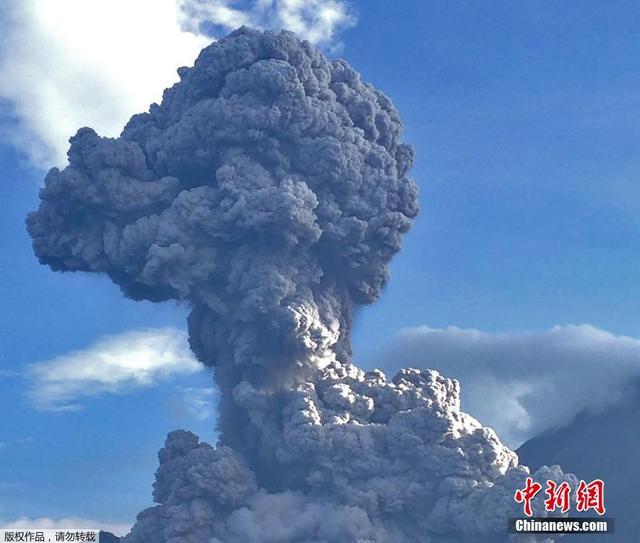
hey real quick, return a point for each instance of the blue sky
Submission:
(524, 119)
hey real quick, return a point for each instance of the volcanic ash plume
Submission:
(269, 191)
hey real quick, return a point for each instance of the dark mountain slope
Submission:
(605, 446)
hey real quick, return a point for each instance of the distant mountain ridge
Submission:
(605, 446)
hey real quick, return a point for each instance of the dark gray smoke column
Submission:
(269, 190)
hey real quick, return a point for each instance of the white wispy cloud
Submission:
(523, 383)
(9, 374)
(192, 403)
(113, 364)
(315, 20)
(73, 63)
(45, 523)
(16, 442)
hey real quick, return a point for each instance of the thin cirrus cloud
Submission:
(73, 63)
(523, 383)
(113, 364)
(192, 403)
(16, 443)
(316, 20)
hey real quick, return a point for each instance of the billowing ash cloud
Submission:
(360, 459)
(523, 383)
(269, 190)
